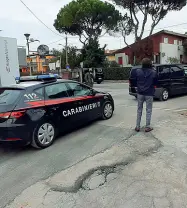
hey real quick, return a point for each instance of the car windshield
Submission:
(8, 96)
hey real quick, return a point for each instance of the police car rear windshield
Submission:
(9, 96)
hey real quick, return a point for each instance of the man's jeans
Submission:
(149, 105)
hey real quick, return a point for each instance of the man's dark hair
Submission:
(146, 63)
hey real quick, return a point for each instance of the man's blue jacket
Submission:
(146, 80)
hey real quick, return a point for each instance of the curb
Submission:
(115, 81)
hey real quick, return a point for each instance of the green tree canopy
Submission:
(155, 9)
(74, 57)
(87, 18)
(92, 54)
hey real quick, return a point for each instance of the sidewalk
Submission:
(115, 81)
(144, 171)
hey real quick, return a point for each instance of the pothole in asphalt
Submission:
(183, 113)
(100, 177)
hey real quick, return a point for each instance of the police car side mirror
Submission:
(93, 92)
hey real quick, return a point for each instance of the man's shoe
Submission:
(137, 129)
(148, 129)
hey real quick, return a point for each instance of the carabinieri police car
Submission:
(38, 108)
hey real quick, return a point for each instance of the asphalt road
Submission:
(22, 167)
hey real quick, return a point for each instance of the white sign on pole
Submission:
(9, 64)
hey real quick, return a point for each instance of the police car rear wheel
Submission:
(44, 135)
(107, 110)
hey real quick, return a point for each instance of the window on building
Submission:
(180, 42)
(120, 60)
(166, 40)
(176, 42)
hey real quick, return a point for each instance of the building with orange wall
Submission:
(37, 63)
(110, 56)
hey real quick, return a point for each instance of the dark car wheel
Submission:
(164, 95)
(44, 135)
(99, 82)
(107, 110)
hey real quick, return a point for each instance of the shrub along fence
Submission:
(117, 73)
(110, 73)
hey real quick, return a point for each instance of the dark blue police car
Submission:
(39, 107)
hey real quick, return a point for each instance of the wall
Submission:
(158, 47)
(157, 39)
(171, 38)
(124, 58)
(170, 50)
(38, 64)
(111, 57)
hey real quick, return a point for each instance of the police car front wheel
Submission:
(107, 110)
(44, 135)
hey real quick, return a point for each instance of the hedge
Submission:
(117, 73)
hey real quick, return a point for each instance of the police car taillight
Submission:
(129, 83)
(5, 115)
(16, 114)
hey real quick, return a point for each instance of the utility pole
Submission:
(66, 50)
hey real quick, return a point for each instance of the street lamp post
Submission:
(27, 38)
(31, 40)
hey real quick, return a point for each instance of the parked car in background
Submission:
(98, 75)
(172, 80)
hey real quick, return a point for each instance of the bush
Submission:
(117, 73)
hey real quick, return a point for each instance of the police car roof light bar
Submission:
(42, 77)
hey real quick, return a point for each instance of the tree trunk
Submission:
(143, 25)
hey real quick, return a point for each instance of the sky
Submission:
(16, 20)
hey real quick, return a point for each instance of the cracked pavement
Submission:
(138, 170)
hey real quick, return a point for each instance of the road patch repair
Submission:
(139, 172)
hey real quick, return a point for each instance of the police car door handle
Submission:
(80, 102)
(54, 108)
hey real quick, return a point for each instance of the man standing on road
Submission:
(146, 79)
(89, 78)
